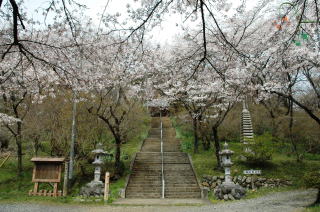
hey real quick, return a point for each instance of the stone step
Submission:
(181, 195)
(151, 149)
(164, 130)
(143, 181)
(181, 189)
(166, 123)
(146, 177)
(182, 184)
(138, 173)
(181, 173)
(172, 149)
(146, 171)
(182, 179)
(148, 154)
(177, 166)
(143, 195)
(140, 183)
(144, 189)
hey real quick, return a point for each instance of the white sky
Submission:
(164, 34)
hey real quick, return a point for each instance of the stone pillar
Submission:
(97, 173)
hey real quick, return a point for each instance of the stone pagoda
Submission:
(246, 131)
(96, 186)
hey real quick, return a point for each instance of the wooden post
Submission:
(106, 186)
(65, 182)
(55, 189)
(35, 188)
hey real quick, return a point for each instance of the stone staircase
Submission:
(145, 180)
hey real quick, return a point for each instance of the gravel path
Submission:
(275, 202)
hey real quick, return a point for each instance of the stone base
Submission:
(93, 189)
(229, 191)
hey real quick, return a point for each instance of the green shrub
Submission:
(312, 179)
(261, 149)
(186, 145)
(310, 156)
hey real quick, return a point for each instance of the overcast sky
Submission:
(166, 33)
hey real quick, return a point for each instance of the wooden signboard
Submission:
(46, 170)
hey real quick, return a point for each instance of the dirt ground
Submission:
(291, 201)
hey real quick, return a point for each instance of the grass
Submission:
(282, 165)
(315, 208)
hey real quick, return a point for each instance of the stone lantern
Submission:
(99, 152)
(226, 162)
(96, 186)
(228, 190)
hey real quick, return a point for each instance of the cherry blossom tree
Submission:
(21, 86)
(111, 87)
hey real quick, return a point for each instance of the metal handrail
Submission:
(162, 166)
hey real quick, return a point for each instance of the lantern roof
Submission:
(97, 162)
(225, 150)
(99, 150)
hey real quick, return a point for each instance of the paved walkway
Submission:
(291, 201)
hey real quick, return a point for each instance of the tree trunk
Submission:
(273, 127)
(195, 134)
(205, 143)
(19, 147)
(36, 145)
(293, 143)
(117, 163)
(217, 146)
(318, 197)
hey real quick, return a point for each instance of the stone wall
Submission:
(212, 182)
